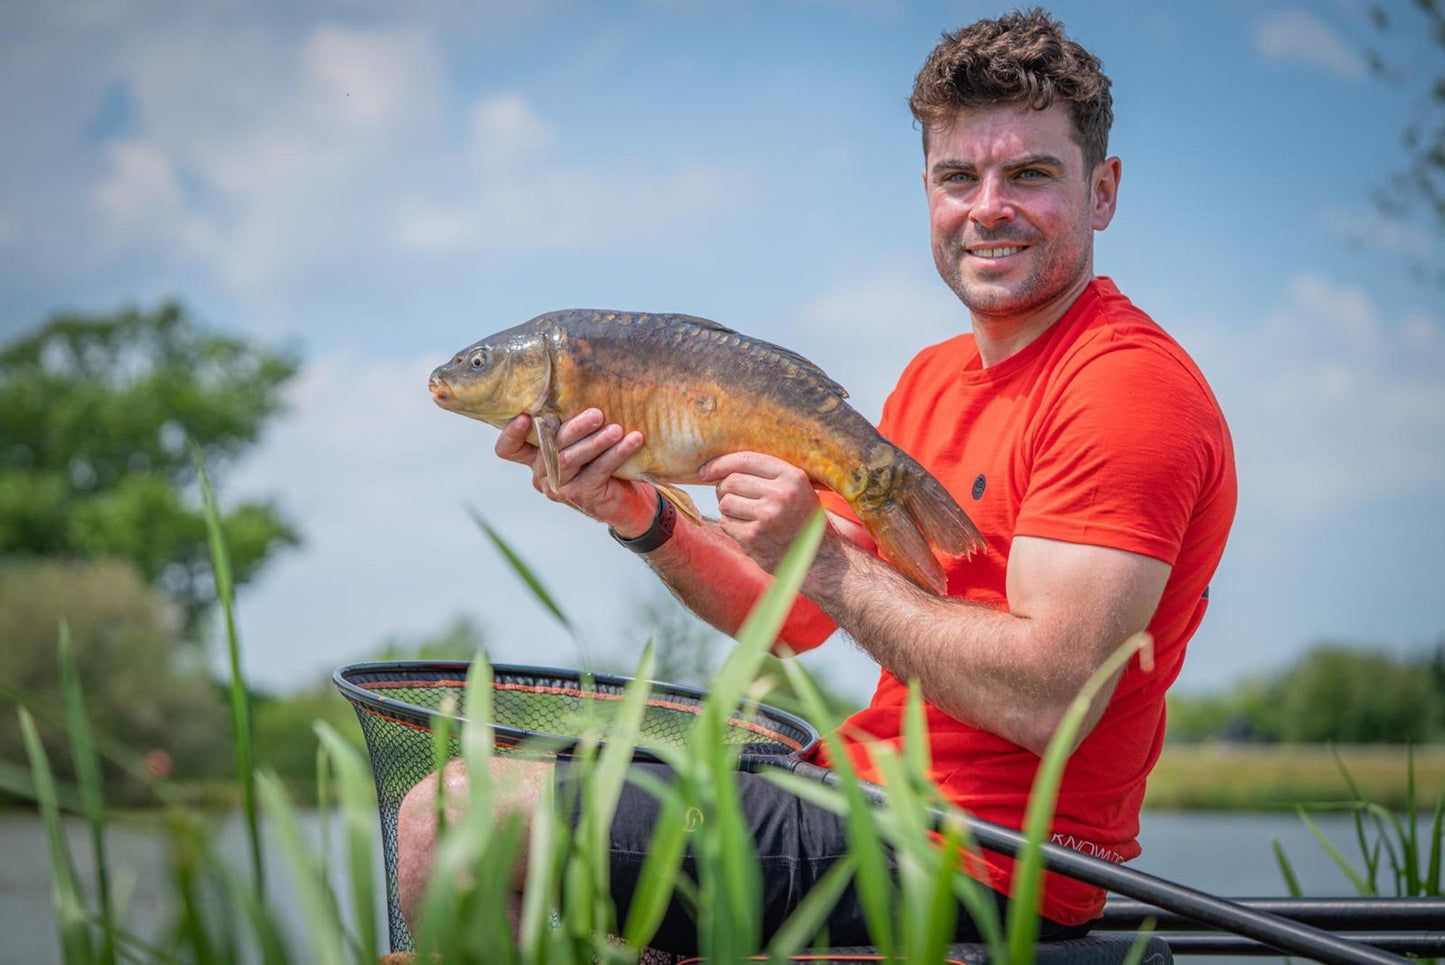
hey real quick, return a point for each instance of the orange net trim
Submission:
(686, 708)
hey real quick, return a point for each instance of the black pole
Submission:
(1337, 914)
(1422, 944)
(1287, 936)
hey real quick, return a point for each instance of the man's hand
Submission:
(589, 451)
(763, 502)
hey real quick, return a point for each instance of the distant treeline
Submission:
(1337, 691)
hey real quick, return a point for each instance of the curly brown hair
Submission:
(1023, 57)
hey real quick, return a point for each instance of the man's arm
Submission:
(1012, 673)
(702, 565)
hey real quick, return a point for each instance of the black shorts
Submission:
(796, 841)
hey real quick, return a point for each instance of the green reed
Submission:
(1387, 840)
(220, 915)
(240, 694)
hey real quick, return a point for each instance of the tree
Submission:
(1419, 188)
(1335, 691)
(138, 693)
(95, 412)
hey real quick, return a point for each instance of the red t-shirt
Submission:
(1101, 431)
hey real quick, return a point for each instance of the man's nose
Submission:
(992, 204)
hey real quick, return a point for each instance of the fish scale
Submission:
(698, 390)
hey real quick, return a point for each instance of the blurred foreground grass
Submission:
(1222, 776)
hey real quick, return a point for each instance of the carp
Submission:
(697, 390)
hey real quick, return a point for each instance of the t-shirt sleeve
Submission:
(1122, 456)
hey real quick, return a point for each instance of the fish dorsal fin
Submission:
(758, 345)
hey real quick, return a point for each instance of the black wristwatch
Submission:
(658, 533)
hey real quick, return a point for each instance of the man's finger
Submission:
(751, 463)
(579, 427)
(512, 443)
(746, 485)
(589, 447)
(600, 469)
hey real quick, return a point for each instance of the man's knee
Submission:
(517, 787)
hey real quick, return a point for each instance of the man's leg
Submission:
(517, 787)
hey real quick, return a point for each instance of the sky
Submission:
(377, 185)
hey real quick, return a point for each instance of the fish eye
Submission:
(479, 360)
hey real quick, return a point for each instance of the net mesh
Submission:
(398, 704)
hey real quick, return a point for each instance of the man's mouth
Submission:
(1001, 252)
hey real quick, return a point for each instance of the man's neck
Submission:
(1001, 337)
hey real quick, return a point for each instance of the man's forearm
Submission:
(707, 570)
(983, 666)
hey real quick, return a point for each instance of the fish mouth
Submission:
(441, 393)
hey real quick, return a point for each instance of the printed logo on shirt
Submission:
(979, 485)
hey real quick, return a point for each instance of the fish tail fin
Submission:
(900, 539)
(679, 499)
(937, 514)
(918, 515)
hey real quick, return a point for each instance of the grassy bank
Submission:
(1266, 776)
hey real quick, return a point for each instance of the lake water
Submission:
(1225, 853)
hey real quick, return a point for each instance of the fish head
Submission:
(498, 378)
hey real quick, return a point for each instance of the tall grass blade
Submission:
(875, 891)
(357, 794)
(943, 907)
(1023, 919)
(529, 577)
(1432, 876)
(761, 627)
(477, 743)
(657, 879)
(1141, 941)
(1411, 844)
(730, 878)
(112, 750)
(265, 931)
(240, 694)
(71, 917)
(87, 771)
(811, 913)
(323, 799)
(441, 748)
(323, 923)
(604, 787)
(1361, 885)
(188, 861)
(461, 846)
(540, 890)
(1291, 882)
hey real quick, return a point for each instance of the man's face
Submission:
(1012, 210)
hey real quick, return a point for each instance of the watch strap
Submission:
(663, 523)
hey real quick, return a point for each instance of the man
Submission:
(1081, 439)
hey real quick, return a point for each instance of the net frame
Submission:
(398, 703)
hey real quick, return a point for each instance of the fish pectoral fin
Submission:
(681, 500)
(547, 426)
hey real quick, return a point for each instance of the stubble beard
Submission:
(1045, 282)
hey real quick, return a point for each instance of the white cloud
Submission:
(506, 131)
(140, 195)
(1299, 37)
(283, 155)
(1331, 402)
(518, 198)
(858, 322)
(343, 140)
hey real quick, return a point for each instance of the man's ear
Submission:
(1105, 191)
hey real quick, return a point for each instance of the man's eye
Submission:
(1032, 174)
(958, 177)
